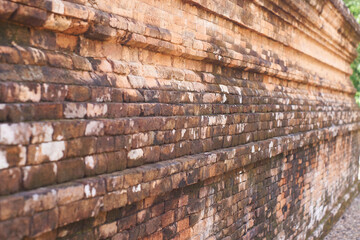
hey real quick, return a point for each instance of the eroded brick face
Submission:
(180, 119)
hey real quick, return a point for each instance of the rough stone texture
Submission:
(182, 119)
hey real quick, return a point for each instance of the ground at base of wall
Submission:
(348, 226)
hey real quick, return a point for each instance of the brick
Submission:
(116, 161)
(14, 229)
(70, 169)
(138, 192)
(12, 156)
(12, 178)
(44, 152)
(38, 200)
(153, 225)
(81, 147)
(7, 9)
(53, 93)
(29, 15)
(120, 67)
(183, 224)
(69, 193)
(105, 144)
(114, 182)
(66, 42)
(167, 218)
(81, 63)
(48, 111)
(143, 216)
(9, 54)
(93, 187)
(43, 222)
(115, 200)
(157, 210)
(107, 230)
(38, 176)
(76, 10)
(78, 94)
(96, 164)
(42, 39)
(100, 32)
(11, 207)
(79, 210)
(60, 60)
(69, 129)
(121, 236)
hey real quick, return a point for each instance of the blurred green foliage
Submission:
(354, 6)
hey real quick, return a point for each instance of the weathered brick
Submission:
(79, 210)
(43, 222)
(12, 178)
(14, 229)
(115, 200)
(70, 169)
(7, 9)
(78, 93)
(39, 175)
(60, 60)
(107, 230)
(29, 15)
(195, 120)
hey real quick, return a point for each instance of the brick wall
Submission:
(181, 119)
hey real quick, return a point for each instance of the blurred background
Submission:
(354, 6)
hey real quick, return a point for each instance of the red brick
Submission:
(14, 229)
(167, 218)
(59, 60)
(44, 222)
(78, 93)
(79, 210)
(29, 15)
(115, 200)
(183, 224)
(7, 9)
(70, 169)
(40, 175)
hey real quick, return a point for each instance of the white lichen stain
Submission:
(94, 128)
(89, 161)
(41, 132)
(3, 160)
(191, 97)
(55, 169)
(183, 131)
(135, 154)
(26, 172)
(35, 197)
(58, 7)
(89, 191)
(27, 94)
(53, 150)
(253, 149)
(224, 98)
(95, 110)
(12, 134)
(212, 120)
(224, 88)
(22, 156)
(136, 188)
(73, 110)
